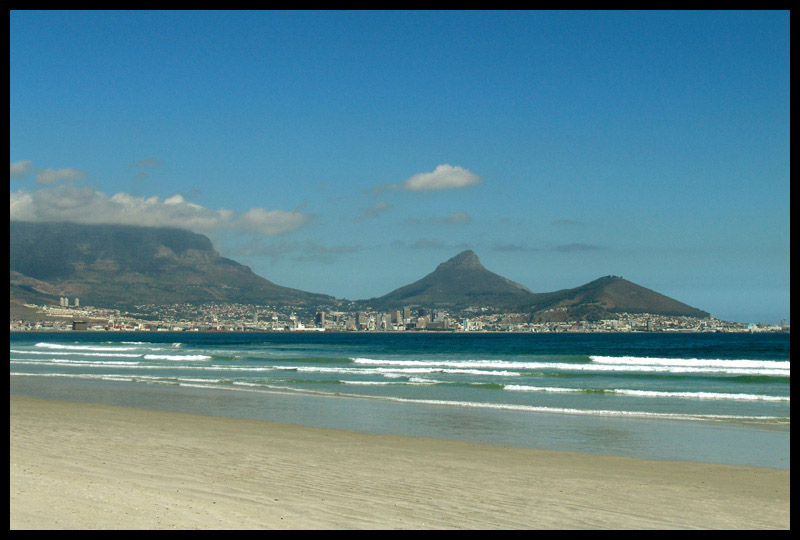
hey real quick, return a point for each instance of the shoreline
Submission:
(86, 465)
(730, 443)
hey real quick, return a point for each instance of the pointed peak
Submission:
(465, 259)
(608, 279)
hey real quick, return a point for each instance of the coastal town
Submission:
(231, 317)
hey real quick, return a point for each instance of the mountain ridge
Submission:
(462, 282)
(123, 265)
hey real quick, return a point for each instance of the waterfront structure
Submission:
(80, 325)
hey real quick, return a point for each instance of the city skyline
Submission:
(349, 153)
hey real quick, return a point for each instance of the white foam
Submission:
(702, 395)
(398, 371)
(606, 363)
(690, 362)
(208, 383)
(370, 383)
(531, 408)
(76, 353)
(78, 376)
(177, 357)
(124, 378)
(526, 388)
(652, 393)
(82, 347)
(67, 362)
(468, 364)
(594, 412)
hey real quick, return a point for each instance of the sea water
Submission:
(720, 398)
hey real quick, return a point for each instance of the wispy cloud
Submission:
(374, 211)
(513, 248)
(297, 251)
(442, 178)
(567, 223)
(44, 177)
(85, 205)
(21, 168)
(455, 218)
(569, 248)
(149, 162)
(427, 244)
(564, 248)
(50, 176)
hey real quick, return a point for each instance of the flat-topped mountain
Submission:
(122, 265)
(457, 283)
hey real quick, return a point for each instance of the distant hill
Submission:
(604, 296)
(121, 265)
(463, 282)
(26, 290)
(457, 283)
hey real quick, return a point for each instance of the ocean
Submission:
(719, 398)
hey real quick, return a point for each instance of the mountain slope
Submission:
(457, 283)
(121, 265)
(601, 298)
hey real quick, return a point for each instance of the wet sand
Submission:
(91, 466)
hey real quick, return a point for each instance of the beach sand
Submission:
(89, 466)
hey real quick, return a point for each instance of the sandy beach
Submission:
(89, 466)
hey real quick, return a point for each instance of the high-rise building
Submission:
(385, 322)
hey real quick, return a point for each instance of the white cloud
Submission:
(270, 222)
(19, 168)
(85, 205)
(51, 176)
(175, 199)
(443, 177)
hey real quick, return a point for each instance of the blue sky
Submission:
(351, 152)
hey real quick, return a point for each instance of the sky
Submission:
(351, 152)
